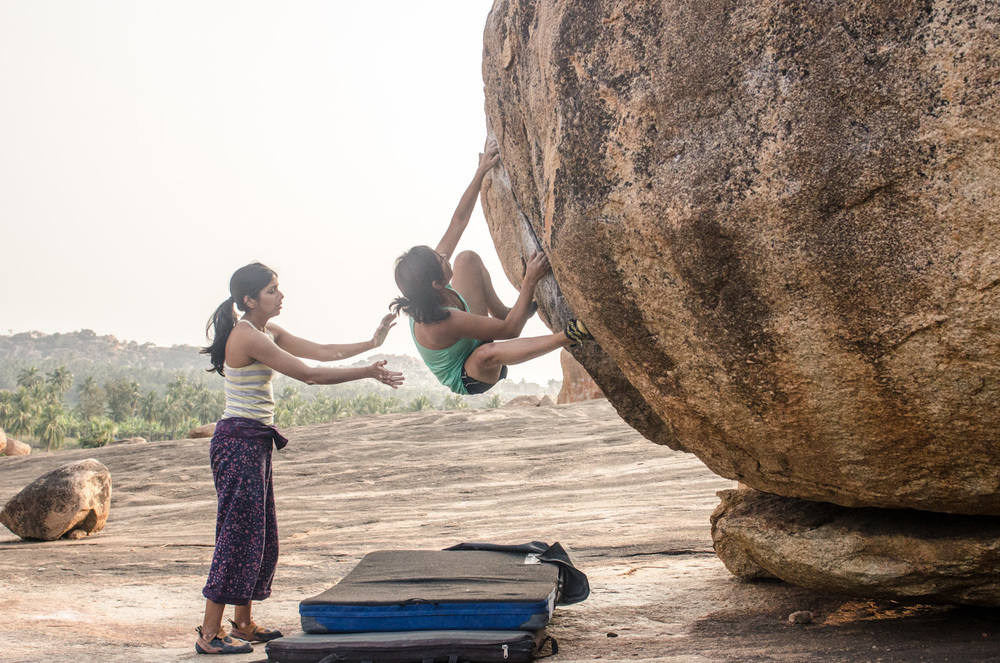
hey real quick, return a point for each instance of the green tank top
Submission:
(446, 365)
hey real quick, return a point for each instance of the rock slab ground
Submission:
(634, 516)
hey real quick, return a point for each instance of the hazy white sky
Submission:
(148, 149)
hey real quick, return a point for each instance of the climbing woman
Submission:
(248, 351)
(459, 325)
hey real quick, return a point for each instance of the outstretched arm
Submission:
(460, 219)
(263, 349)
(306, 349)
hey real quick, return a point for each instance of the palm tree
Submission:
(98, 432)
(454, 402)
(26, 406)
(6, 408)
(60, 380)
(289, 408)
(208, 405)
(29, 377)
(174, 412)
(52, 426)
(419, 404)
(372, 403)
(22, 423)
(338, 408)
(149, 406)
(496, 400)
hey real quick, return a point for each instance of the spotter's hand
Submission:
(379, 372)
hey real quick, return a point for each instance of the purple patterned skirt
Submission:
(246, 527)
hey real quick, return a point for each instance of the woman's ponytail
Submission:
(222, 321)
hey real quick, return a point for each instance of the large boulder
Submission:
(515, 240)
(903, 555)
(76, 496)
(779, 219)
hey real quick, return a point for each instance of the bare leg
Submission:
(473, 281)
(485, 361)
(213, 619)
(242, 616)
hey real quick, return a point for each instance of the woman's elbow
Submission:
(309, 375)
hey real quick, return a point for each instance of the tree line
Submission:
(39, 409)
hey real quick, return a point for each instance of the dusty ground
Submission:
(634, 517)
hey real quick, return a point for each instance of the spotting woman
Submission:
(248, 352)
(459, 325)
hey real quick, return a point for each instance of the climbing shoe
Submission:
(254, 633)
(222, 643)
(577, 332)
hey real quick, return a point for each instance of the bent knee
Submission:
(486, 356)
(467, 260)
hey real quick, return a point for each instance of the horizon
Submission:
(358, 359)
(147, 156)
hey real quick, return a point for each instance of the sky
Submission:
(148, 149)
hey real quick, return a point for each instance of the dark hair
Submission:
(416, 272)
(248, 280)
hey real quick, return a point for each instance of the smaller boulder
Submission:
(76, 496)
(3, 440)
(16, 448)
(546, 401)
(897, 554)
(130, 440)
(207, 430)
(523, 401)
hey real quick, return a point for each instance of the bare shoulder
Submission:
(276, 331)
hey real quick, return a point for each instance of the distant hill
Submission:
(105, 357)
(88, 346)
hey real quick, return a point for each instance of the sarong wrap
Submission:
(246, 527)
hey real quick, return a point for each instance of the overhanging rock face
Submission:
(780, 221)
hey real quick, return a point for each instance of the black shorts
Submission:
(474, 386)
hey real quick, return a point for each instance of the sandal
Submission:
(577, 332)
(222, 643)
(255, 633)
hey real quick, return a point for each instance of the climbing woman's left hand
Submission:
(388, 322)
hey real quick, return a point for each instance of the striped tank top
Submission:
(249, 392)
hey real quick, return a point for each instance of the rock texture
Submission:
(515, 240)
(902, 555)
(779, 219)
(577, 385)
(76, 496)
